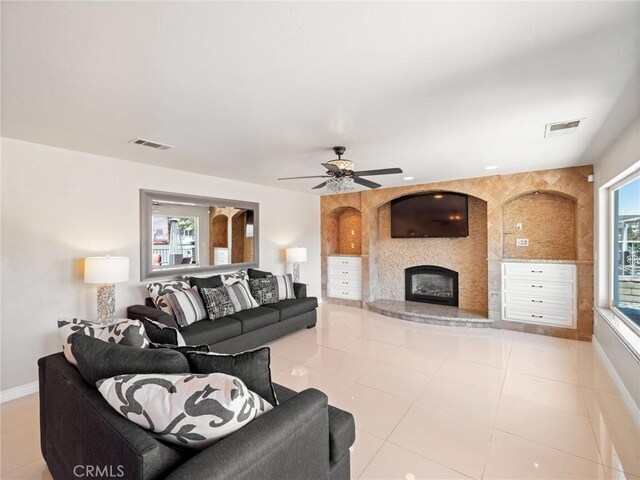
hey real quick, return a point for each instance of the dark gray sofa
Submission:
(302, 438)
(243, 330)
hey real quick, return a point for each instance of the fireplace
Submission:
(431, 284)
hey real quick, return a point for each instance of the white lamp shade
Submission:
(296, 255)
(106, 269)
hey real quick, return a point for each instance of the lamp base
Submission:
(106, 302)
(296, 272)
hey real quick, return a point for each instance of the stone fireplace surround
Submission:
(496, 191)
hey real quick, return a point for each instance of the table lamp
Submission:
(106, 272)
(296, 255)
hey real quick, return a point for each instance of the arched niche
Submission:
(344, 231)
(548, 220)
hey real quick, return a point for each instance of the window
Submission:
(626, 249)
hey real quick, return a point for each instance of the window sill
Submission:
(624, 330)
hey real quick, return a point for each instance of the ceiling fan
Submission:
(341, 175)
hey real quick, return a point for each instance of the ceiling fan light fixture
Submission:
(342, 164)
(340, 184)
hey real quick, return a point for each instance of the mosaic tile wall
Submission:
(496, 191)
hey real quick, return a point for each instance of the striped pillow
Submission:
(285, 287)
(241, 296)
(187, 306)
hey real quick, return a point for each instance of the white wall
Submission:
(59, 206)
(617, 161)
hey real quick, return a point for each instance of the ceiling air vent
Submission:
(561, 128)
(149, 143)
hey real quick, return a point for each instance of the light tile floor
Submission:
(435, 402)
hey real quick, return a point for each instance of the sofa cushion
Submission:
(342, 427)
(187, 306)
(256, 318)
(264, 290)
(294, 307)
(252, 367)
(217, 302)
(161, 333)
(123, 331)
(285, 286)
(159, 290)
(98, 359)
(187, 409)
(208, 332)
(208, 282)
(253, 273)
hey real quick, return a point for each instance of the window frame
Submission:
(613, 244)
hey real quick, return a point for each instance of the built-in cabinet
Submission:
(540, 293)
(344, 277)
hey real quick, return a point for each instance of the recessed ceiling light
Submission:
(491, 167)
(408, 178)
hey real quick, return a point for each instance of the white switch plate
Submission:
(522, 242)
(518, 226)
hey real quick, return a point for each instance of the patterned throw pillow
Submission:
(159, 290)
(285, 286)
(123, 331)
(187, 306)
(217, 302)
(241, 296)
(187, 409)
(235, 277)
(264, 290)
(161, 333)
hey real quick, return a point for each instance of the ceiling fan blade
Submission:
(309, 176)
(366, 183)
(332, 168)
(381, 171)
(319, 186)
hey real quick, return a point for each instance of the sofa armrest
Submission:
(140, 312)
(291, 442)
(300, 290)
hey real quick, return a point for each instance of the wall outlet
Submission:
(522, 242)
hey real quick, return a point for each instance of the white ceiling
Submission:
(256, 91)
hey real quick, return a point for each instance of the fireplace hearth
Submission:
(431, 284)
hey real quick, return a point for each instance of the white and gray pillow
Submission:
(159, 290)
(234, 277)
(264, 290)
(241, 296)
(285, 286)
(217, 301)
(187, 306)
(187, 409)
(123, 331)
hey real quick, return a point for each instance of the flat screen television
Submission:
(434, 214)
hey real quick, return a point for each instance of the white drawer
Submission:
(355, 283)
(352, 262)
(348, 293)
(539, 303)
(543, 271)
(537, 288)
(562, 319)
(344, 272)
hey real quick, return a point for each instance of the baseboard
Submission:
(631, 405)
(17, 392)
